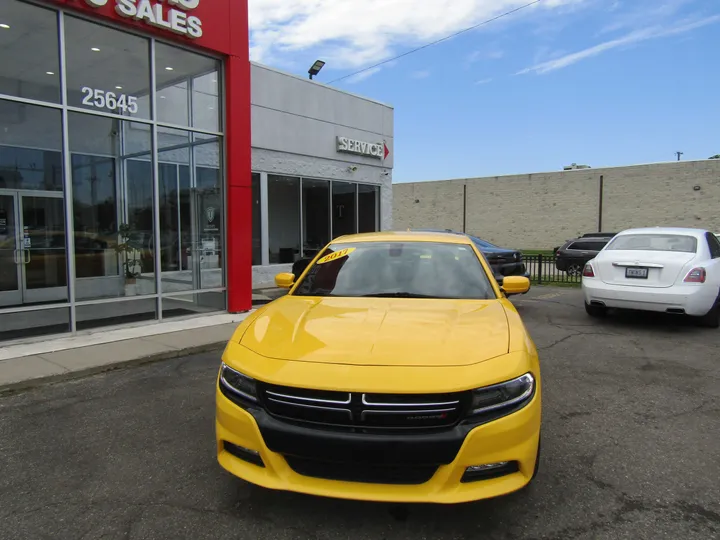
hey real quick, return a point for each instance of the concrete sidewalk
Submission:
(30, 363)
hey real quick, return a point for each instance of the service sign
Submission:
(362, 148)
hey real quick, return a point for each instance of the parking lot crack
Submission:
(559, 341)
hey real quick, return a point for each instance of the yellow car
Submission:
(395, 369)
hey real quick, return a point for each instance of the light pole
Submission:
(679, 154)
(315, 68)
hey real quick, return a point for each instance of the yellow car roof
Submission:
(404, 236)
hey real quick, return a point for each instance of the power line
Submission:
(437, 41)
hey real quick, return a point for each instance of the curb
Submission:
(28, 384)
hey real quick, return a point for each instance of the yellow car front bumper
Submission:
(514, 437)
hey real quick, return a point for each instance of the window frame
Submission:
(713, 241)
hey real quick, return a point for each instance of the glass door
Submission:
(10, 275)
(208, 212)
(43, 259)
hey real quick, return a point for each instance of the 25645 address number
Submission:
(109, 100)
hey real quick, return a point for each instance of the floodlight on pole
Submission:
(315, 68)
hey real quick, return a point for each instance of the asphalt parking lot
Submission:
(630, 450)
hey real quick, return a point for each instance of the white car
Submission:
(670, 270)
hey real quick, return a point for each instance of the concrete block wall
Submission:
(526, 210)
(429, 205)
(542, 210)
(663, 195)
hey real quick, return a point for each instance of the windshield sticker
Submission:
(335, 256)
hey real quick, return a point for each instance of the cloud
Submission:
(483, 81)
(644, 13)
(637, 36)
(363, 75)
(350, 34)
(420, 74)
(492, 54)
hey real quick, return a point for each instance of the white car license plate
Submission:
(636, 273)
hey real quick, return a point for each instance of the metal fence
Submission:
(543, 269)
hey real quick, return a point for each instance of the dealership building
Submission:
(148, 171)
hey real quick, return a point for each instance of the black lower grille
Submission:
(364, 412)
(359, 472)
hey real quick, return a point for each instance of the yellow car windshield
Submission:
(398, 269)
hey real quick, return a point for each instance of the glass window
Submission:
(191, 212)
(169, 192)
(283, 219)
(654, 242)
(30, 53)
(28, 324)
(343, 201)
(98, 315)
(256, 221)
(107, 70)
(398, 270)
(208, 195)
(714, 245)
(33, 254)
(28, 168)
(112, 208)
(176, 231)
(368, 208)
(30, 147)
(187, 86)
(192, 304)
(316, 216)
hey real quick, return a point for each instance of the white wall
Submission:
(295, 123)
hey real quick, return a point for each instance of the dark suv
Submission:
(573, 255)
(503, 261)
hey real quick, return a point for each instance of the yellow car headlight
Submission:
(238, 383)
(507, 395)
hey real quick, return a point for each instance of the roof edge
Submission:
(305, 80)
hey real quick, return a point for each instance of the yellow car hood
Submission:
(379, 331)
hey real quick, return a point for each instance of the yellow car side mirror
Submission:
(515, 285)
(285, 280)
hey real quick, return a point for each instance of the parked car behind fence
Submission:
(573, 255)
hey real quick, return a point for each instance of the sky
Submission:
(593, 82)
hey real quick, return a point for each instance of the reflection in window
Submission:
(191, 207)
(94, 195)
(112, 208)
(26, 168)
(343, 201)
(316, 215)
(169, 191)
(30, 53)
(188, 304)
(256, 221)
(175, 210)
(24, 129)
(187, 82)
(209, 211)
(139, 210)
(107, 70)
(368, 208)
(283, 219)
